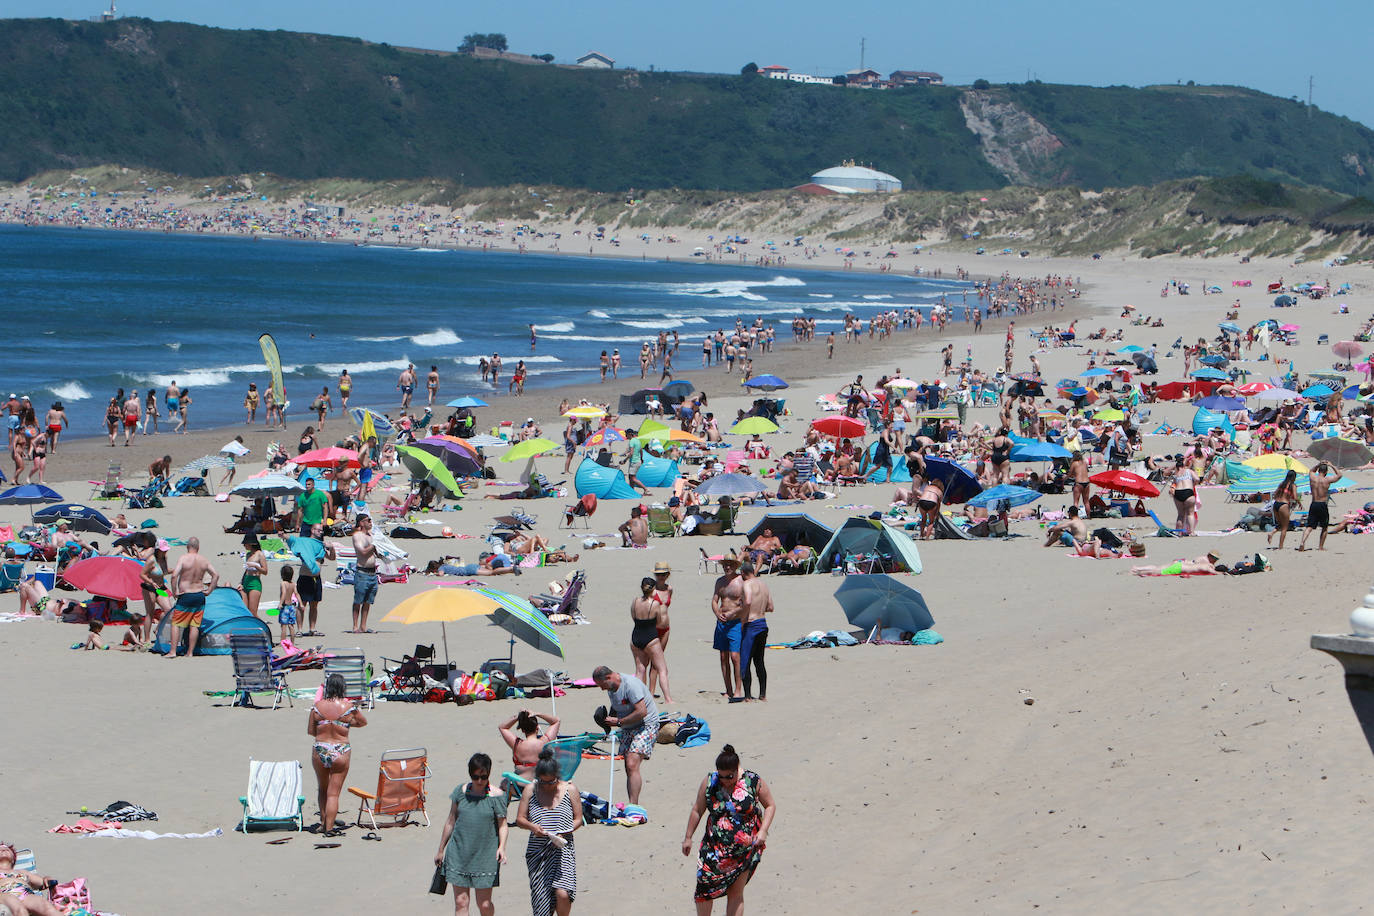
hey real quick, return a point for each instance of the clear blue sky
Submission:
(1263, 44)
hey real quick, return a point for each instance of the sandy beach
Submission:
(1185, 750)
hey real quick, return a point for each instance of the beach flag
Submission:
(368, 431)
(273, 360)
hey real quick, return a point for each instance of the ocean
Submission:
(92, 311)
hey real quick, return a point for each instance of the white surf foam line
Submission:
(359, 368)
(70, 391)
(556, 327)
(595, 338)
(383, 339)
(821, 295)
(875, 298)
(173, 345)
(507, 363)
(440, 338)
(208, 377)
(738, 289)
(598, 313)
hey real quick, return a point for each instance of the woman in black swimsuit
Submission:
(644, 641)
(1285, 501)
(1001, 456)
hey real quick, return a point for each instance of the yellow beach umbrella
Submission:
(1110, 415)
(1276, 460)
(442, 606)
(586, 412)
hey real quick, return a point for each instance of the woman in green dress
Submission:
(473, 845)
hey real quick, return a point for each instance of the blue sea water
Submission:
(92, 311)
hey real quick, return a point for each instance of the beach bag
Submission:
(690, 732)
(72, 894)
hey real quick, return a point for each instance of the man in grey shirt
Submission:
(634, 712)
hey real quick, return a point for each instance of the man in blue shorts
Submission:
(728, 604)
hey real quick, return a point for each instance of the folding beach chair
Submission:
(109, 487)
(580, 511)
(10, 575)
(400, 791)
(352, 664)
(567, 751)
(252, 657)
(274, 796)
(569, 602)
(662, 523)
(408, 676)
(1164, 530)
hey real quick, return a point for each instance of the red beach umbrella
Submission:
(1124, 482)
(109, 577)
(328, 458)
(840, 427)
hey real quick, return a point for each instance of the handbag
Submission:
(438, 884)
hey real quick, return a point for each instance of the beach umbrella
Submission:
(1335, 378)
(751, 425)
(1277, 394)
(1285, 301)
(680, 389)
(330, 457)
(268, 485)
(669, 435)
(1026, 387)
(1049, 413)
(1275, 461)
(1215, 360)
(1229, 327)
(1131, 348)
(425, 466)
(961, 484)
(1207, 372)
(840, 427)
(485, 440)
(458, 461)
(1254, 388)
(1317, 392)
(606, 435)
(1095, 372)
(1290, 328)
(1110, 415)
(1268, 480)
(940, 413)
(522, 620)
(732, 484)
(586, 412)
(529, 448)
(441, 605)
(81, 518)
(467, 401)
(1005, 492)
(1341, 453)
(880, 601)
(449, 443)
(204, 463)
(1039, 451)
(1125, 482)
(901, 384)
(120, 578)
(382, 427)
(1220, 402)
(1347, 349)
(234, 447)
(766, 383)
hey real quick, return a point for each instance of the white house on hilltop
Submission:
(596, 59)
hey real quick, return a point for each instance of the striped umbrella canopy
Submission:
(1342, 453)
(382, 426)
(522, 620)
(605, 436)
(203, 463)
(269, 485)
(1268, 480)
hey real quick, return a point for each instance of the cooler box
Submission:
(45, 575)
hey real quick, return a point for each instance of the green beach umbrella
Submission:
(424, 466)
(751, 425)
(529, 448)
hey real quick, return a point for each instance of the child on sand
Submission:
(286, 604)
(93, 640)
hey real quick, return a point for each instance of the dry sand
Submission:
(1185, 752)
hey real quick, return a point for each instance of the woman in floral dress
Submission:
(738, 807)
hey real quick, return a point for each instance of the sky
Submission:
(1268, 45)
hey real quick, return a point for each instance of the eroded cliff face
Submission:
(1014, 143)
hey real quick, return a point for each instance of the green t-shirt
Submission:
(312, 505)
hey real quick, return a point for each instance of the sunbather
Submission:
(34, 599)
(1203, 565)
(21, 891)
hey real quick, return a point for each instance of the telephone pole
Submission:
(862, 43)
(1309, 98)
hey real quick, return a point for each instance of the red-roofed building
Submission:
(775, 71)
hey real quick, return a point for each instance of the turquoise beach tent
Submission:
(869, 536)
(658, 472)
(602, 482)
(899, 472)
(225, 614)
(1204, 421)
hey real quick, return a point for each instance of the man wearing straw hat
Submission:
(728, 604)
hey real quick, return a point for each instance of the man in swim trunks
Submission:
(364, 573)
(173, 400)
(311, 549)
(728, 604)
(133, 409)
(56, 421)
(432, 384)
(633, 711)
(753, 638)
(1069, 533)
(1318, 512)
(188, 586)
(406, 384)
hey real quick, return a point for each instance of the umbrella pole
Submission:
(553, 700)
(443, 628)
(610, 789)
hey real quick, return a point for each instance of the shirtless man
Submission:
(364, 573)
(172, 401)
(432, 384)
(495, 369)
(754, 637)
(187, 585)
(728, 604)
(1074, 527)
(791, 487)
(55, 421)
(133, 409)
(1078, 470)
(405, 383)
(1318, 512)
(635, 532)
(763, 547)
(63, 537)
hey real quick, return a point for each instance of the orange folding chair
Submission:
(400, 791)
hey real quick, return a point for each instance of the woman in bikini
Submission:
(929, 500)
(663, 599)
(1285, 501)
(254, 565)
(1185, 497)
(150, 412)
(329, 722)
(645, 645)
(525, 746)
(39, 453)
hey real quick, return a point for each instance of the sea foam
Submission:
(70, 391)
(443, 337)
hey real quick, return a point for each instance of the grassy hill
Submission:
(199, 101)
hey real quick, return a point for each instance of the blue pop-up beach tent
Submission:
(1204, 421)
(602, 482)
(658, 472)
(225, 615)
(870, 536)
(900, 474)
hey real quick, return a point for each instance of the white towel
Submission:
(122, 834)
(273, 788)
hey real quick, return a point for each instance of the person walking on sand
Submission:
(183, 411)
(472, 847)
(250, 404)
(322, 405)
(56, 421)
(645, 646)
(329, 723)
(432, 384)
(405, 383)
(1318, 511)
(758, 602)
(495, 370)
(727, 603)
(738, 808)
(663, 599)
(364, 573)
(551, 810)
(634, 713)
(1286, 499)
(187, 584)
(150, 412)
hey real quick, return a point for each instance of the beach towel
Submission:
(119, 833)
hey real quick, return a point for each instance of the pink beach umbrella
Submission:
(1346, 349)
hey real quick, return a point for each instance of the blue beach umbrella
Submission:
(467, 401)
(1229, 327)
(733, 484)
(1266, 480)
(679, 389)
(1039, 451)
(1131, 348)
(960, 483)
(382, 426)
(1005, 492)
(82, 518)
(1218, 402)
(880, 600)
(1317, 391)
(1095, 372)
(1215, 360)
(29, 495)
(765, 383)
(1209, 373)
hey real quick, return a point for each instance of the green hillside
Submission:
(198, 101)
